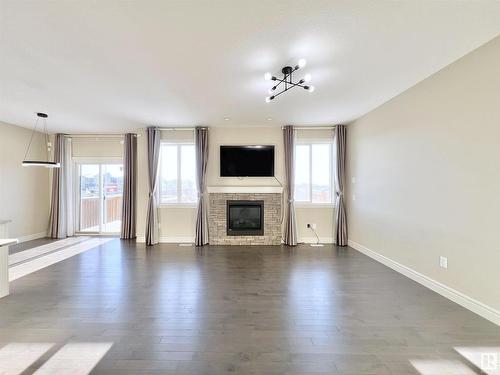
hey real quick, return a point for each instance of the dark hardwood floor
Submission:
(239, 310)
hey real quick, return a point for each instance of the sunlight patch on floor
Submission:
(16, 357)
(41, 250)
(23, 269)
(76, 358)
(487, 358)
(441, 367)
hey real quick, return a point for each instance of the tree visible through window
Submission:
(177, 175)
(313, 172)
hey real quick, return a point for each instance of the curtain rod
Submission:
(312, 127)
(104, 135)
(168, 129)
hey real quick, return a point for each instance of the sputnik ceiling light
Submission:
(287, 81)
(40, 163)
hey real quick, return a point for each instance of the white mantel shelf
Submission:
(245, 189)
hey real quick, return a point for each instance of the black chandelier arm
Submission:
(285, 90)
(281, 92)
(288, 82)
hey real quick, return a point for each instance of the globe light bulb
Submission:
(310, 89)
(307, 77)
(268, 76)
(268, 99)
(270, 91)
(302, 63)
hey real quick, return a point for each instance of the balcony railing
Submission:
(90, 211)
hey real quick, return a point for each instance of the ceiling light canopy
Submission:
(287, 81)
(40, 163)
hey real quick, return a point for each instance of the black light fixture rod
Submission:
(291, 83)
(281, 92)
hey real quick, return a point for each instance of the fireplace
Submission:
(245, 218)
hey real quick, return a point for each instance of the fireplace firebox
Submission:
(245, 218)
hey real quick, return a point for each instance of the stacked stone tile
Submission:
(217, 219)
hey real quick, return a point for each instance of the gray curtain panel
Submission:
(153, 140)
(290, 230)
(201, 145)
(129, 187)
(67, 175)
(57, 219)
(340, 230)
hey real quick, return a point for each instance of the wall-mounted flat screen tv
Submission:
(247, 161)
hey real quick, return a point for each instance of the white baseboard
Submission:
(469, 303)
(314, 240)
(166, 239)
(33, 236)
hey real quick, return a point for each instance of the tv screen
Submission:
(247, 161)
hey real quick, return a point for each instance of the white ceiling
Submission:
(108, 66)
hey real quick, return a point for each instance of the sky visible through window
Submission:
(313, 173)
(178, 174)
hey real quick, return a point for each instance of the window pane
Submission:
(302, 173)
(89, 180)
(188, 174)
(168, 172)
(90, 212)
(321, 173)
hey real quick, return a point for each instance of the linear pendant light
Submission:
(40, 163)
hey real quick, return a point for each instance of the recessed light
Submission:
(269, 119)
(227, 118)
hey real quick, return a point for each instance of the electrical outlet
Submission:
(354, 180)
(353, 197)
(311, 226)
(443, 262)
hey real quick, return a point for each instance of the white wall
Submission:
(97, 147)
(178, 223)
(24, 191)
(427, 176)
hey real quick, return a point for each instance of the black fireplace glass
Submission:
(245, 218)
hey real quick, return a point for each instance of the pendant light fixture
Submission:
(40, 163)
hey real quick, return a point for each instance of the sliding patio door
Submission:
(99, 201)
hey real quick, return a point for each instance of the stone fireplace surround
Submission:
(219, 195)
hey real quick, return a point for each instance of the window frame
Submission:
(177, 204)
(310, 203)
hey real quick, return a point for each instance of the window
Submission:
(177, 175)
(314, 173)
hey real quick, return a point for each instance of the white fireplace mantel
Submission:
(245, 189)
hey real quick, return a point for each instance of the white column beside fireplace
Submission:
(219, 195)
